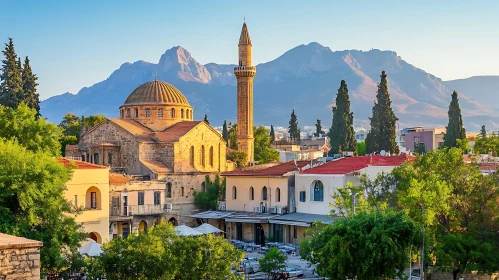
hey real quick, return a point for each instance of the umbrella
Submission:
(207, 228)
(92, 249)
(184, 230)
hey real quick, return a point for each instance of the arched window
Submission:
(169, 190)
(182, 113)
(264, 193)
(128, 113)
(203, 163)
(181, 191)
(188, 112)
(136, 112)
(121, 113)
(317, 190)
(234, 192)
(277, 195)
(203, 186)
(172, 113)
(93, 199)
(211, 156)
(148, 112)
(160, 113)
(251, 193)
(191, 156)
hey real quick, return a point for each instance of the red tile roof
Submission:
(80, 164)
(174, 132)
(351, 164)
(118, 178)
(276, 170)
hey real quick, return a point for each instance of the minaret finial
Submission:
(155, 76)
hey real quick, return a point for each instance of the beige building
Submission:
(88, 190)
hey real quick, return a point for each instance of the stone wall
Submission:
(19, 258)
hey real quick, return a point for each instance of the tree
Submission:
(93, 120)
(419, 148)
(487, 145)
(71, 125)
(214, 191)
(67, 140)
(368, 246)
(455, 129)
(32, 203)
(233, 136)
(34, 134)
(273, 262)
(238, 157)
(11, 86)
(30, 96)
(294, 130)
(341, 134)
(225, 133)
(206, 119)
(263, 152)
(383, 122)
(361, 148)
(483, 132)
(318, 129)
(272, 134)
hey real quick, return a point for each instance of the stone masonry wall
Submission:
(22, 263)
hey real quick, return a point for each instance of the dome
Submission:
(156, 92)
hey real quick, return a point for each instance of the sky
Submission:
(73, 44)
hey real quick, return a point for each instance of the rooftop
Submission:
(80, 164)
(352, 164)
(276, 170)
(14, 242)
(118, 178)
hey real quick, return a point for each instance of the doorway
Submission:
(259, 235)
(239, 231)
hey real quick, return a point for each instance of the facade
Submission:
(19, 258)
(88, 189)
(431, 138)
(245, 73)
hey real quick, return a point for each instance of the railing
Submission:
(132, 210)
(245, 68)
(73, 158)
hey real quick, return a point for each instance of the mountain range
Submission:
(305, 78)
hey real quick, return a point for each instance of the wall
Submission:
(93, 220)
(426, 136)
(154, 121)
(19, 259)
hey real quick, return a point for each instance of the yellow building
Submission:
(88, 189)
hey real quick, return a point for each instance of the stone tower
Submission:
(245, 74)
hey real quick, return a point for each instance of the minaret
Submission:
(245, 73)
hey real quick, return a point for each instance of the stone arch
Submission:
(93, 198)
(264, 193)
(173, 221)
(317, 191)
(251, 193)
(277, 195)
(142, 226)
(95, 236)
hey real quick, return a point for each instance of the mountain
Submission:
(484, 89)
(305, 78)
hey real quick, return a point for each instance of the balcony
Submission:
(245, 71)
(137, 210)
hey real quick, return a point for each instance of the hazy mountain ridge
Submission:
(305, 78)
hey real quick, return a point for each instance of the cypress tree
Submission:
(272, 133)
(294, 130)
(483, 132)
(455, 129)
(30, 96)
(225, 133)
(341, 134)
(318, 129)
(206, 119)
(383, 122)
(11, 89)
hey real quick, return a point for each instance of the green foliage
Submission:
(93, 120)
(71, 125)
(160, 254)
(239, 157)
(263, 152)
(11, 86)
(32, 203)
(272, 133)
(214, 191)
(419, 148)
(36, 135)
(273, 261)
(67, 140)
(30, 96)
(206, 119)
(483, 132)
(383, 122)
(225, 133)
(318, 129)
(294, 129)
(368, 246)
(487, 145)
(233, 136)
(361, 148)
(341, 134)
(455, 129)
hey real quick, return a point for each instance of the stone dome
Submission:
(156, 92)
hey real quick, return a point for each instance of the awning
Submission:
(301, 219)
(289, 223)
(251, 221)
(211, 215)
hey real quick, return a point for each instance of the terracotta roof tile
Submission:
(352, 164)
(276, 170)
(118, 178)
(155, 166)
(174, 132)
(80, 164)
(137, 129)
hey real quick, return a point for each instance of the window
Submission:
(264, 193)
(416, 139)
(121, 113)
(211, 156)
(172, 113)
(141, 198)
(277, 195)
(203, 186)
(96, 158)
(169, 190)
(295, 232)
(234, 192)
(157, 198)
(148, 112)
(128, 113)
(302, 196)
(189, 114)
(191, 156)
(318, 190)
(182, 113)
(160, 113)
(202, 156)
(136, 112)
(109, 159)
(93, 200)
(181, 191)
(251, 193)
(76, 201)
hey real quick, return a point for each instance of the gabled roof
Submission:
(80, 164)
(175, 131)
(118, 178)
(134, 127)
(352, 164)
(273, 171)
(155, 166)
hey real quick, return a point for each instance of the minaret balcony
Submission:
(245, 70)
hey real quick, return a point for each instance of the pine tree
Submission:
(11, 89)
(30, 96)
(318, 129)
(206, 119)
(272, 134)
(294, 130)
(383, 122)
(225, 133)
(483, 132)
(455, 129)
(341, 134)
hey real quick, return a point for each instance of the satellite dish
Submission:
(383, 152)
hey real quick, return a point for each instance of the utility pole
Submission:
(422, 250)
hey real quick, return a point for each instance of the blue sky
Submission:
(73, 44)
